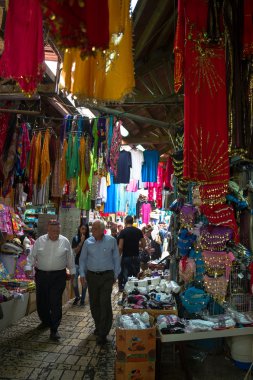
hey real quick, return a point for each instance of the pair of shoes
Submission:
(54, 335)
(101, 340)
(95, 332)
(42, 326)
(82, 304)
(76, 300)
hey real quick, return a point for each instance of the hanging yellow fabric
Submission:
(83, 179)
(37, 159)
(45, 159)
(63, 163)
(107, 75)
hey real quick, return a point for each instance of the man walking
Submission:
(129, 239)
(50, 256)
(99, 266)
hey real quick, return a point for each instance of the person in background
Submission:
(129, 239)
(77, 243)
(120, 227)
(114, 232)
(51, 255)
(99, 267)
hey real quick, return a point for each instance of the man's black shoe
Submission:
(76, 300)
(54, 335)
(101, 340)
(95, 332)
(42, 326)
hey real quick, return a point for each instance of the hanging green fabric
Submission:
(72, 157)
(83, 200)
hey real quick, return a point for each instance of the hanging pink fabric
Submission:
(146, 210)
(23, 54)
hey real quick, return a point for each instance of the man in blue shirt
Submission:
(99, 267)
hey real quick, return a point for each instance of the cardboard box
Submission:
(136, 345)
(135, 371)
(31, 307)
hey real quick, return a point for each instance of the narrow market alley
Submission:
(27, 353)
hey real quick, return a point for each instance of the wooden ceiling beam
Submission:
(143, 39)
(167, 30)
(145, 140)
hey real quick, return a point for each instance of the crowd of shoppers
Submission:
(97, 258)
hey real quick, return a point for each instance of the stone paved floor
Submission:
(26, 353)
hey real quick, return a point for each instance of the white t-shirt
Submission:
(137, 161)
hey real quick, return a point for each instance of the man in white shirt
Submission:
(50, 256)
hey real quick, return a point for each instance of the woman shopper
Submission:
(77, 244)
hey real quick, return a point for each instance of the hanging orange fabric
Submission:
(63, 163)
(45, 159)
(37, 159)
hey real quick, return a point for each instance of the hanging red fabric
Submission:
(23, 54)
(205, 101)
(78, 24)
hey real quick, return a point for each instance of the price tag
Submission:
(240, 275)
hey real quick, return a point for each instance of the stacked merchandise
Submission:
(153, 294)
(213, 266)
(135, 347)
(15, 288)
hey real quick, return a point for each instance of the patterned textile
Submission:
(115, 148)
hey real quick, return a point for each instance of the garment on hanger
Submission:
(137, 161)
(123, 167)
(23, 55)
(150, 165)
(146, 210)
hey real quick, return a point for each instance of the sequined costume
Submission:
(200, 62)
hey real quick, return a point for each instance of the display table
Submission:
(179, 339)
(167, 338)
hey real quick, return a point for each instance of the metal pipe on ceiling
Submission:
(20, 112)
(127, 115)
(18, 96)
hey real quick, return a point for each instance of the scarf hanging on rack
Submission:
(45, 159)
